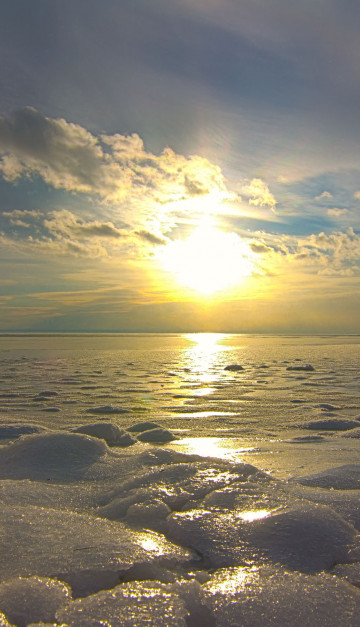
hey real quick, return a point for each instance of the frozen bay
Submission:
(239, 505)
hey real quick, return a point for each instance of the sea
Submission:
(179, 480)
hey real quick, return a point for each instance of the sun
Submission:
(209, 260)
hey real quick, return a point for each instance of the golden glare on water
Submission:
(223, 448)
(209, 260)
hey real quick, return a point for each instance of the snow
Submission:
(200, 499)
(111, 433)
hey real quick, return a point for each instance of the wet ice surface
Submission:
(144, 482)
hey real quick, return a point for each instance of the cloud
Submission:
(357, 195)
(115, 167)
(259, 248)
(16, 217)
(151, 238)
(323, 195)
(65, 222)
(258, 194)
(337, 213)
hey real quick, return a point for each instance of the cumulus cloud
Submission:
(115, 167)
(258, 194)
(64, 154)
(65, 222)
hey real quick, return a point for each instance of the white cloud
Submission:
(258, 194)
(115, 167)
(337, 213)
(323, 195)
(66, 223)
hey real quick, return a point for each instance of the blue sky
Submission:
(128, 128)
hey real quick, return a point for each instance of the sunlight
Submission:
(202, 357)
(223, 448)
(209, 260)
(252, 515)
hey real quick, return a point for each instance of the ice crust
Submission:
(103, 521)
(111, 433)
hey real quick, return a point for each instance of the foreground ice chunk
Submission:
(76, 548)
(33, 599)
(129, 605)
(304, 537)
(270, 597)
(112, 434)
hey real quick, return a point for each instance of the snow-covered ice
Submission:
(199, 499)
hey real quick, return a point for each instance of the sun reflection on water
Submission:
(202, 359)
(224, 448)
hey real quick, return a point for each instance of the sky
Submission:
(180, 166)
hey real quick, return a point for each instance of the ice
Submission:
(243, 519)
(305, 537)
(48, 455)
(11, 431)
(305, 368)
(306, 438)
(234, 367)
(4, 622)
(331, 424)
(25, 600)
(70, 546)
(156, 435)
(354, 433)
(111, 433)
(108, 409)
(270, 596)
(345, 477)
(140, 604)
(143, 426)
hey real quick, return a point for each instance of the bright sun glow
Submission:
(209, 260)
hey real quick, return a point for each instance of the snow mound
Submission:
(111, 433)
(306, 439)
(354, 433)
(139, 427)
(81, 550)
(234, 367)
(156, 435)
(345, 477)
(305, 537)
(305, 368)
(141, 604)
(11, 431)
(270, 596)
(50, 454)
(108, 409)
(331, 424)
(33, 599)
